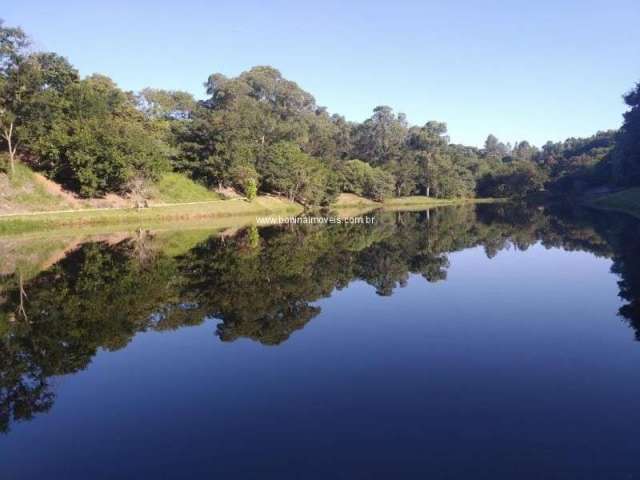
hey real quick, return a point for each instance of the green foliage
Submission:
(626, 155)
(100, 295)
(165, 104)
(380, 139)
(627, 201)
(362, 179)
(517, 179)
(577, 163)
(98, 141)
(261, 128)
(287, 170)
(13, 45)
(251, 189)
(22, 191)
(495, 148)
(177, 188)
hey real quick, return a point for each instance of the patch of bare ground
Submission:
(56, 189)
(228, 192)
(110, 200)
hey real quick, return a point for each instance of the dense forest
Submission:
(261, 133)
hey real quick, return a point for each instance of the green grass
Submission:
(626, 201)
(347, 200)
(431, 201)
(26, 193)
(178, 200)
(146, 216)
(174, 243)
(418, 202)
(353, 200)
(27, 256)
(177, 188)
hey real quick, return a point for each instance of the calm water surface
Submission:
(489, 342)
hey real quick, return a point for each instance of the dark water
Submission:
(489, 342)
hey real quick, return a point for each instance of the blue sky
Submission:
(536, 70)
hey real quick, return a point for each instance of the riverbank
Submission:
(144, 217)
(624, 201)
(237, 211)
(348, 200)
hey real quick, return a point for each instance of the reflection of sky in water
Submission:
(513, 367)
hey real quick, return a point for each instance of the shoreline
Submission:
(625, 201)
(159, 215)
(33, 222)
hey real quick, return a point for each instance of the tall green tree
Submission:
(13, 45)
(428, 143)
(287, 170)
(380, 139)
(626, 155)
(100, 142)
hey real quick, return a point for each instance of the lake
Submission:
(488, 341)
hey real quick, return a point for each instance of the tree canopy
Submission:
(259, 132)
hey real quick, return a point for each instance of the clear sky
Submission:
(534, 69)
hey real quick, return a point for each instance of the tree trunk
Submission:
(23, 296)
(8, 136)
(428, 190)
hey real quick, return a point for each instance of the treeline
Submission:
(259, 132)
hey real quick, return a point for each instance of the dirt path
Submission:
(107, 209)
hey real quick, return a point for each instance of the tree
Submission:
(380, 139)
(517, 179)
(524, 151)
(354, 175)
(139, 190)
(379, 185)
(361, 178)
(100, 142)
(13, 45)
(427, 143)
(251, 189)
(38, 87)
(494, 147)
(7, 119)
(577, 163)
(626, 155)
(165, 104)
(245, 177)
(287, 170)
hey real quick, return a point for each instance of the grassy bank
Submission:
(177, 188)
(352, 200)
(181, 201)
(349, 200)
(23, 192)
(27, 191)
(421, 201)
(40, 221)
(625, 201)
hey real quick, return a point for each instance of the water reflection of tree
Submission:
(624, 237)
(261, 285)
